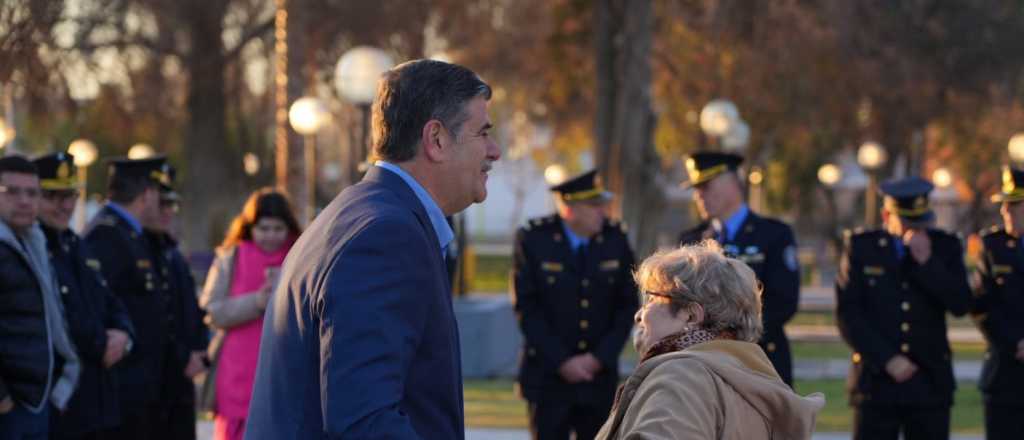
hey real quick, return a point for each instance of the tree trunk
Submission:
(624, 99)
(205, 138)
(297, 40)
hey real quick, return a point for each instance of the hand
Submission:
(573, 370)
(195, 364)
(6, 405)
(117, 340)
(591, 364)
(900, 368)
(1020, 350)
(919, 243)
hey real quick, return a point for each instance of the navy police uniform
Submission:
(90, 307)
(998, 308)
(888, 304)
(768, 246)
(130, 268)
(571, 302)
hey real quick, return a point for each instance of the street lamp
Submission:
(829, 175)
(84, 152)
(251, 164)
(1016, 148)
(554, 174)
(140, 151)
(307, 115)
(355, 78)
(942, 178)
(871, 156)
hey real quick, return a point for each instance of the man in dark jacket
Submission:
(998, 307)
(38, 364)
(575, 299)
(894, 289)
(97, 320)
(187, 333)
(767, 245)
(128, 264)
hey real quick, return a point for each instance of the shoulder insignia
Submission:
(93, 264)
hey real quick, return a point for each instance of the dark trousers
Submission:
(21, 424)
(881, 422)
(180, 420)
(146, 422)
(1004, 422)
(555, 420)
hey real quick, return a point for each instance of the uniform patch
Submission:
(874, 270)
(789, 257)
(93, 263)
(999, 268)
(551, 266)
(751, 258)
(610, 265)
(143, 264)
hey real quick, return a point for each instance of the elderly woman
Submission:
(701, 376)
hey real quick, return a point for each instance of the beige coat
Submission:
(724, 390)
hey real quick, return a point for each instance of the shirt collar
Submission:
(444, 232)
(733, 223)
(127, 216)
(575, 241)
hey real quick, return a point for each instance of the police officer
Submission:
(998, 308)
(894, 288)
(97, 320)
(186, 348)
(765, 244)
(116, 237)
(575, 298)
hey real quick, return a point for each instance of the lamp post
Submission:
(1016, 149)
(871, 156)
(85, 154)
(307, 115)
(355, 78)
(717, 117)
(945, 197)
(140, 151)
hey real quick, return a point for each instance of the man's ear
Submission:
(696, 312)
(434, 141)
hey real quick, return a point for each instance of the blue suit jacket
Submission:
(361, 341)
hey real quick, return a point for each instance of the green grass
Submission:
(827, 318)
(494, 404)
(492, 272)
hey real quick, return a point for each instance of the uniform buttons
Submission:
(770, 347)
(585, 282)
(582, 345)
(1000, 281)
(584, 324)
(856, 358)
(64, 289)
(551, 280)
(905, 306)
(584, 303)
(905, 348)
(149, 286)
(905, 327)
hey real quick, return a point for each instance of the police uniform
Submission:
(768, 246)
(998, 308)
(130, 268)
(888, 304)
(91, 308)
(571, 302)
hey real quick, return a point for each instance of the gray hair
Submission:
(701, 274)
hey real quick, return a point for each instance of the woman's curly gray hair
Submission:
(725, 287)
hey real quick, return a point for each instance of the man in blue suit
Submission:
(361, 341)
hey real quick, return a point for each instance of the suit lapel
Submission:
(394, 182)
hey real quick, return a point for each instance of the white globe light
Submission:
(307, 115)
(357, 73)
(871, 156)
(554, 174)
(140, 151)
(1016, 147)
(251, 164)
(717, 116)
(829, 174)
(84, 152)
(942, 178)
(737, 137)
(7, 132)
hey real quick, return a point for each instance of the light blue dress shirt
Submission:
(575, 241)
(127, 216)
(444, 232)
(732, 224)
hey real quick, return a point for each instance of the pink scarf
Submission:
(236, 369)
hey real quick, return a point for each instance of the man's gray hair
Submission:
(726, 288)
